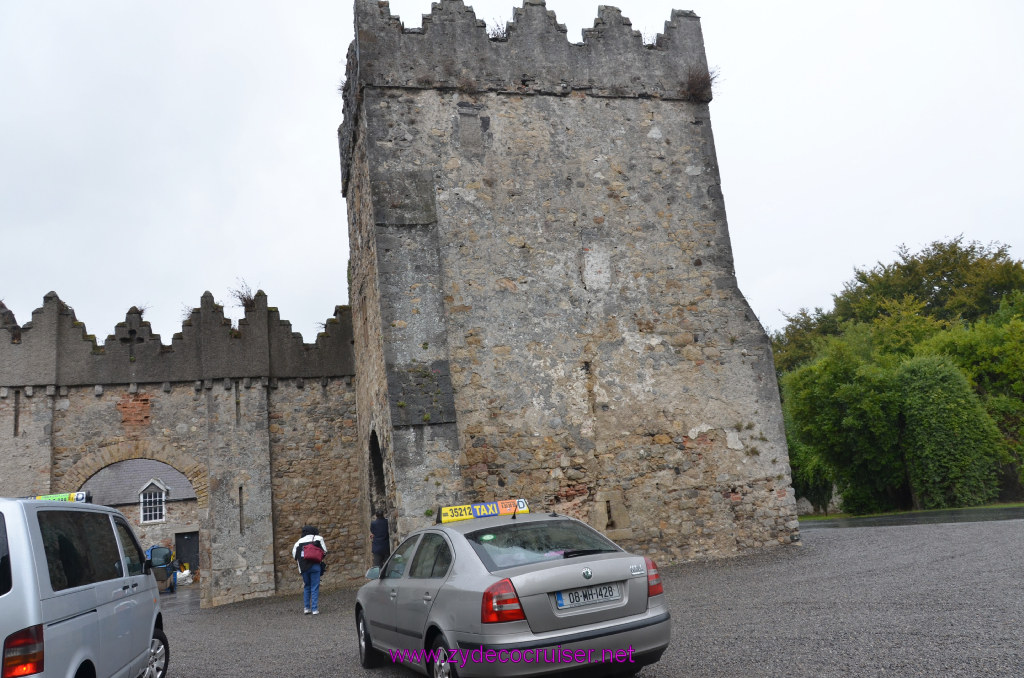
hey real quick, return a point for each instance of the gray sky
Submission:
(151, 150)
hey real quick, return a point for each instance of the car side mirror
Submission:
(160, 555)
(373, 573)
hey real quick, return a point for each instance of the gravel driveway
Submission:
(925, 600)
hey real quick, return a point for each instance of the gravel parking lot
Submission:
(924, 600)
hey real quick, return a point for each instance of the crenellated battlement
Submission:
(55, 348)
(6, 316)
(453, 51)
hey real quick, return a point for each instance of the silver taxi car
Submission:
(518, 594)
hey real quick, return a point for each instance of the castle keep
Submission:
(543, 306)
(542, 282)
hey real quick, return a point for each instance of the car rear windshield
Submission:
(522, 543)
(5, 558)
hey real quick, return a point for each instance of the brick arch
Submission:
(92, 463)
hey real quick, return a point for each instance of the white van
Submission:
(77, 597)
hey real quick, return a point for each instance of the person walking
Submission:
(309, 552)
(381, 545)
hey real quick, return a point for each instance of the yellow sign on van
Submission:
(506, 507)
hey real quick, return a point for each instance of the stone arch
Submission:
(92, 463)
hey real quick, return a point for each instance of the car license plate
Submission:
(587, 595)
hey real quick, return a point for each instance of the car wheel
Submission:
(441, 667)
(368, 657)
(159, 655)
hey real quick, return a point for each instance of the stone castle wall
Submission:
(318, 478)
(368, 333)
(262, 425)
(549, 256)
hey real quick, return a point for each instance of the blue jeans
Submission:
(311, 591)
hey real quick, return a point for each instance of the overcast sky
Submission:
(152, 150)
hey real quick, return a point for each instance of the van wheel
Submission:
(159, 655)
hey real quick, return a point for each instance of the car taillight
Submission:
(23, 652)
(654, 587)
(501, 603)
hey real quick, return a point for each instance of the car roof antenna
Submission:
(515, 510)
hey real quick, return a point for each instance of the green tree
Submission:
(843, 410)
(991, 354)
(950, 445)
(895, 432)
(952, 279)
(900, 325)
(799, 341)
(813, 477)
(845, 375)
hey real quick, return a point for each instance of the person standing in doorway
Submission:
(309, 552)
(381, 545)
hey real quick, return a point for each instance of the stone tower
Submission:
(544, 300)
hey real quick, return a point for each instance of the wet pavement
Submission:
(932, 599)
(184, 600)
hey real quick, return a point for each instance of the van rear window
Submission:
(5, 558)
(80, 548)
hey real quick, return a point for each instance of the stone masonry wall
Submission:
(318, 479)
(26, 418)
(559, 308)
(223, 429)
(367, 329)
(262, 425)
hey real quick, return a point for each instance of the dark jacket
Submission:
(381, 538)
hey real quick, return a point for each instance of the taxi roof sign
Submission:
(66, 496)
(506, 507)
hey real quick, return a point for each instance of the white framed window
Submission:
(152, 501)
(152, 505)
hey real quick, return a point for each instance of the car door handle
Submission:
(427, 597)
(125, 587)
(393, 593)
